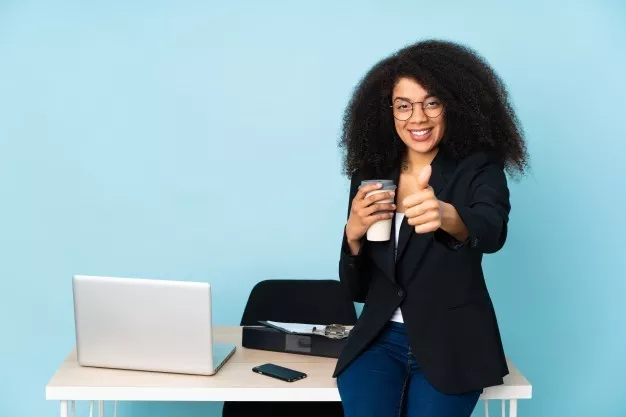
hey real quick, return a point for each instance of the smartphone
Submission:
(279, 372)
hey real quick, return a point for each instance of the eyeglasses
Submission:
(403, 109)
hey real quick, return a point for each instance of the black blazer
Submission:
(437, 281)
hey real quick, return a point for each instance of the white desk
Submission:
(234, 382)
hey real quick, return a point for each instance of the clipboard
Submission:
(331, 331)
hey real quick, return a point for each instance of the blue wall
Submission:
(124, 152)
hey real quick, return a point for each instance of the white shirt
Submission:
(397, 315)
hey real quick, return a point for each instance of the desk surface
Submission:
(234, 382)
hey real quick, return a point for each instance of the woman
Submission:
(435, 119)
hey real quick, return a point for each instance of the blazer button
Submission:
(400, 293)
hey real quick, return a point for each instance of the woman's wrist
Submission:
(350, 236)
(452, 223)
(353, 243)
(355, 247)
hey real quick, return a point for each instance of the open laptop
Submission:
(147, 325)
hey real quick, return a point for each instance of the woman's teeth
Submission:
(420, 132)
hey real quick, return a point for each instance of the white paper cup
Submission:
(380, 231)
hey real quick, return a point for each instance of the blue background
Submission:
(197, 141)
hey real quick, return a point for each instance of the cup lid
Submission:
(383, 182)
(388, 187)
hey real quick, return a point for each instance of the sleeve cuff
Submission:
(472, 222)
(345, 250)
(449, 241)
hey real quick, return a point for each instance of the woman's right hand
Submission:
(362, 212)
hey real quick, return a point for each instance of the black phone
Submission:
(279, 372)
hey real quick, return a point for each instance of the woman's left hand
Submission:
(423, 209)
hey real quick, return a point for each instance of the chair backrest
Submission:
(299, 301)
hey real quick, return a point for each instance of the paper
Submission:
(299, 328)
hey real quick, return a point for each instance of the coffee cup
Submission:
(380, 231)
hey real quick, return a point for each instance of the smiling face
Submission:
(422, 129)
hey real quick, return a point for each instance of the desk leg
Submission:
(512, 408)
(100, 408)
(63, 409)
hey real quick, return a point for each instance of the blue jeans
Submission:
(386, 381)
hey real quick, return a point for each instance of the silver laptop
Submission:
(145, 324)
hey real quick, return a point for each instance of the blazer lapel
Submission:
(440, 166)
(407, 237)
(406, 232)
(391, 248)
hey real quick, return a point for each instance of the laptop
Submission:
(146, 325)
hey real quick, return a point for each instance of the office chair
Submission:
(295, 301)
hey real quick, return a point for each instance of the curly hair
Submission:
(478, 114)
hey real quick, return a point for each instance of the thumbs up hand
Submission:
(423, 209)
